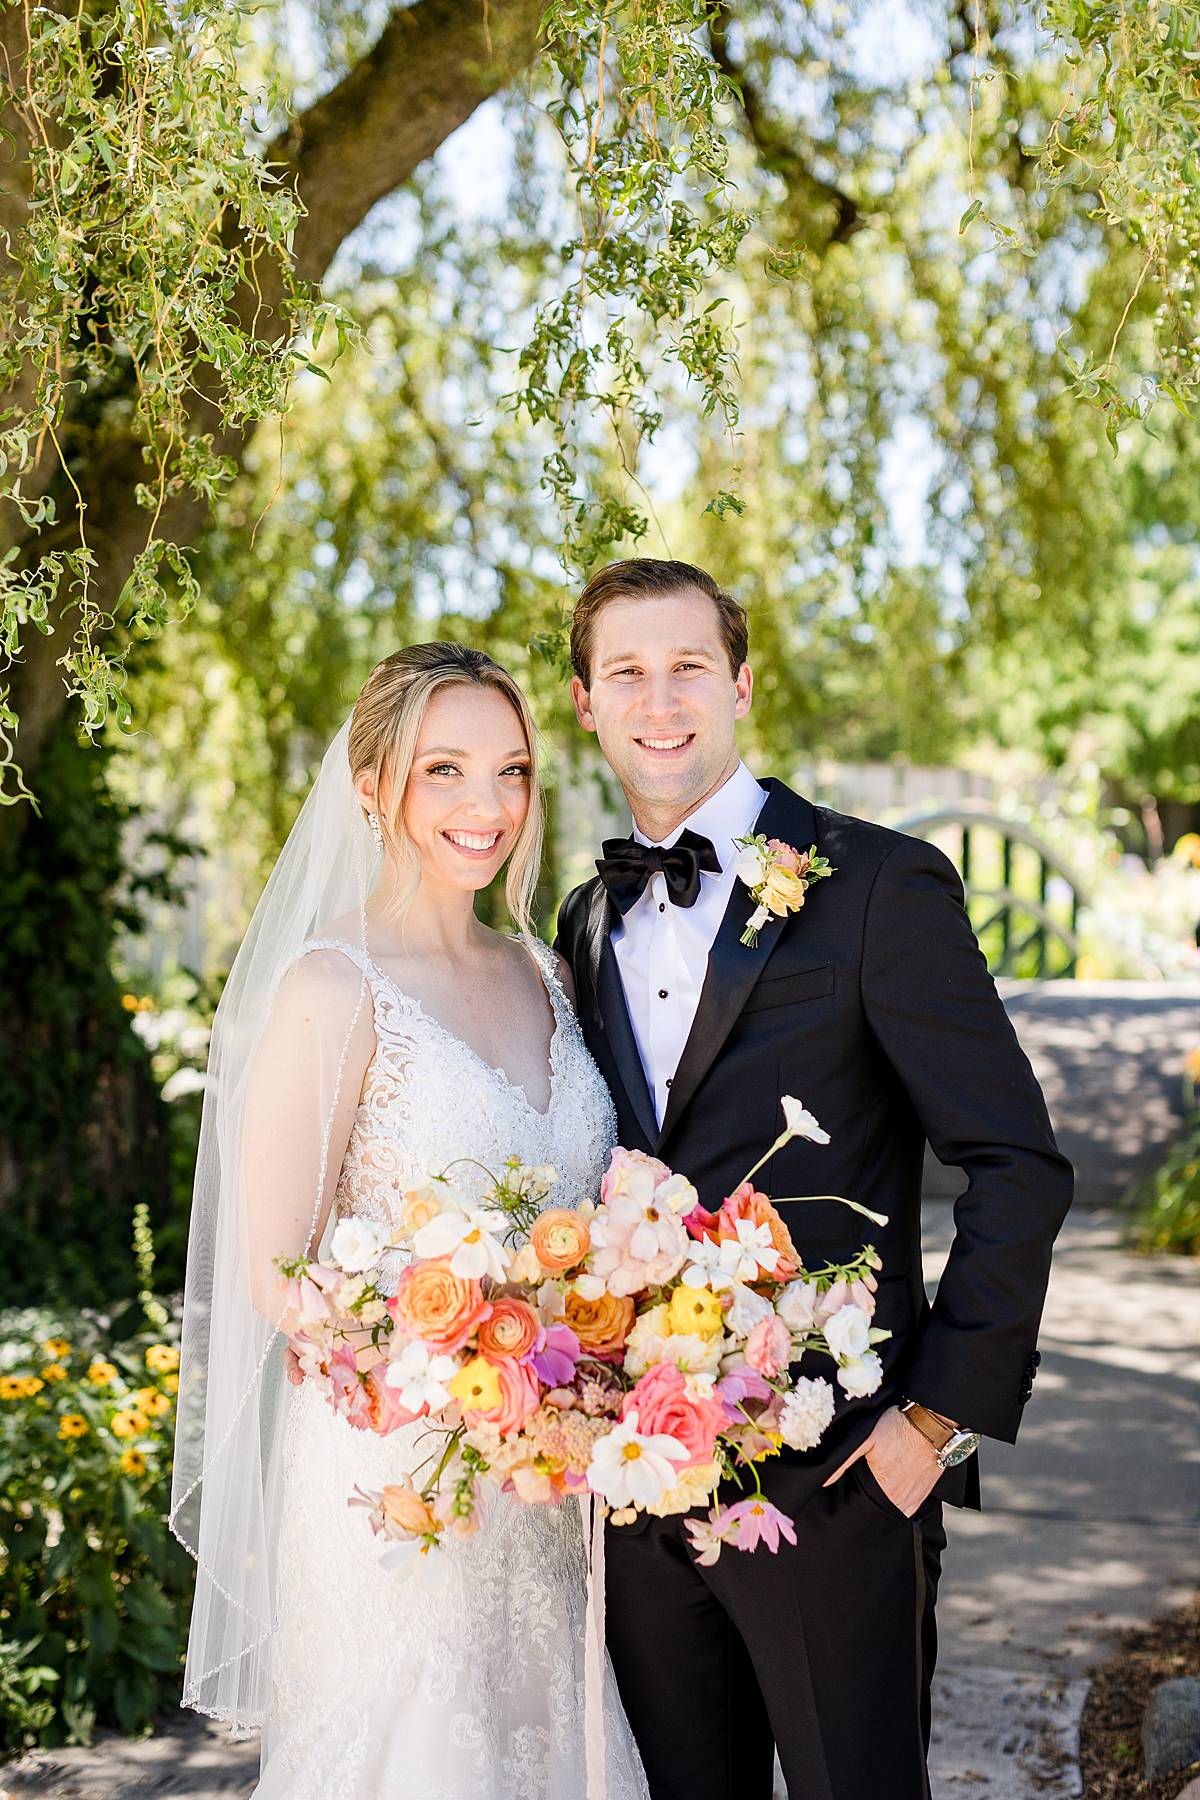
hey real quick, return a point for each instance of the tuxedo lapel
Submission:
(611, 1012)
(734, 967)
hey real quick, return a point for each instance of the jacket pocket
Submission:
(785, 990)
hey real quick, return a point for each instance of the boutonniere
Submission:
(778, 877)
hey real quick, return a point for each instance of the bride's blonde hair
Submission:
(385, 726)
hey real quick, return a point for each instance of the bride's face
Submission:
(468, 793)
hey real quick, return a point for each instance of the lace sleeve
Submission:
(302, 1091)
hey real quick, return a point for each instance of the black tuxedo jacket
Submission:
(873, 1005)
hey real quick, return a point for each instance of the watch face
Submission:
(961, 1445)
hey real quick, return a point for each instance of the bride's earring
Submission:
(376, 829)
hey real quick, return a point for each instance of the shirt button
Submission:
(662, 993)
(662, 906)
(669, 1080)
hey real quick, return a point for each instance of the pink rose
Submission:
(632, 1173)
(784, 855)
(387, 1414)
(769, 1346)
(663, 1404)
(519, 1397)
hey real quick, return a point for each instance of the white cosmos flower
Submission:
(630, 1469)
(356, 1244)
(861, 1376)
(848, 1332)
(677, 1194)
(800, 1122)
(419, 1375)
(469, 1239)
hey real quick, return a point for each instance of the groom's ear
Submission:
(579, 700)
(743, 684)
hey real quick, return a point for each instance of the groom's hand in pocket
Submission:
(903, 1462)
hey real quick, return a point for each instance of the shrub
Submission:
(94, 1591)
(1166, 1208)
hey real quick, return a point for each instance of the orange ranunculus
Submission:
(438, 1306)
(746, 1202)
(403, 1510)
(600, 1325)
(512, 1329)
(560, 1239)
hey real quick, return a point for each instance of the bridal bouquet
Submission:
(637, 1349)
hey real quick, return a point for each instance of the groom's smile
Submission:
(663, 697)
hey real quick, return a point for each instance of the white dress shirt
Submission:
(662, 949)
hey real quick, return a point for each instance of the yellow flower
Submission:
(54, 1372)
(161, 1359)
(129, 1422)
(129, 1002)
(153, 1403)
(12, 1387)
(72, 1425)
(694, 1311)
(33, 1384)
(782, 891)
(1187, 849)
(100, 1374)
(56, 1347)
(477, 1386)
(133, 1462)
(1191, 1065)
(171, 1383)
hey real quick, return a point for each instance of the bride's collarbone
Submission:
(500, 1010)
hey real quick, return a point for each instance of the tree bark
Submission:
(433, 65)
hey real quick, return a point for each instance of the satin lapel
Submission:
(613, 1014)
(733, 967)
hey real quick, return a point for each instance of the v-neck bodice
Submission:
(430, 1099)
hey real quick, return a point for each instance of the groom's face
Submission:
(663, 700)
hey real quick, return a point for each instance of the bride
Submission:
(373, 1031)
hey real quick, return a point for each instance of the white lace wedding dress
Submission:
(459, 1674)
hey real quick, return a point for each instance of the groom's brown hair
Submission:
(644, 577)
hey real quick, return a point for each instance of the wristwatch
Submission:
(951, 1445)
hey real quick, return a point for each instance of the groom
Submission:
(873, 1005)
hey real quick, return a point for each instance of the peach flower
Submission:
(404, 1511)
(386, 1413)
(438, 1306)
(769, 1346)
(600, 1325)
(512, 1330)
(559, 1239)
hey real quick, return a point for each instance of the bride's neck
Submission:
(439, 920)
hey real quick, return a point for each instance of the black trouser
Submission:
(825, 1651)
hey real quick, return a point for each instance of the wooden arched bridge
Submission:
(1022, 898)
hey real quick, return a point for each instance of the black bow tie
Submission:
(627, 866)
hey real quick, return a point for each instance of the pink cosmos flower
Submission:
(349, 1396)
(769, 1346)
(664, 1405)
(636, 1244)
(755, 1521)
(738, 1386)
(555, 1355)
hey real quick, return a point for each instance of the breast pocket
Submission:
(789, 988)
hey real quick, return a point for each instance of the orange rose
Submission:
(437, 1306)
(600, 1325)
(512, 1330)
(403, 1510)
(560, 1239)
(746, 1202)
